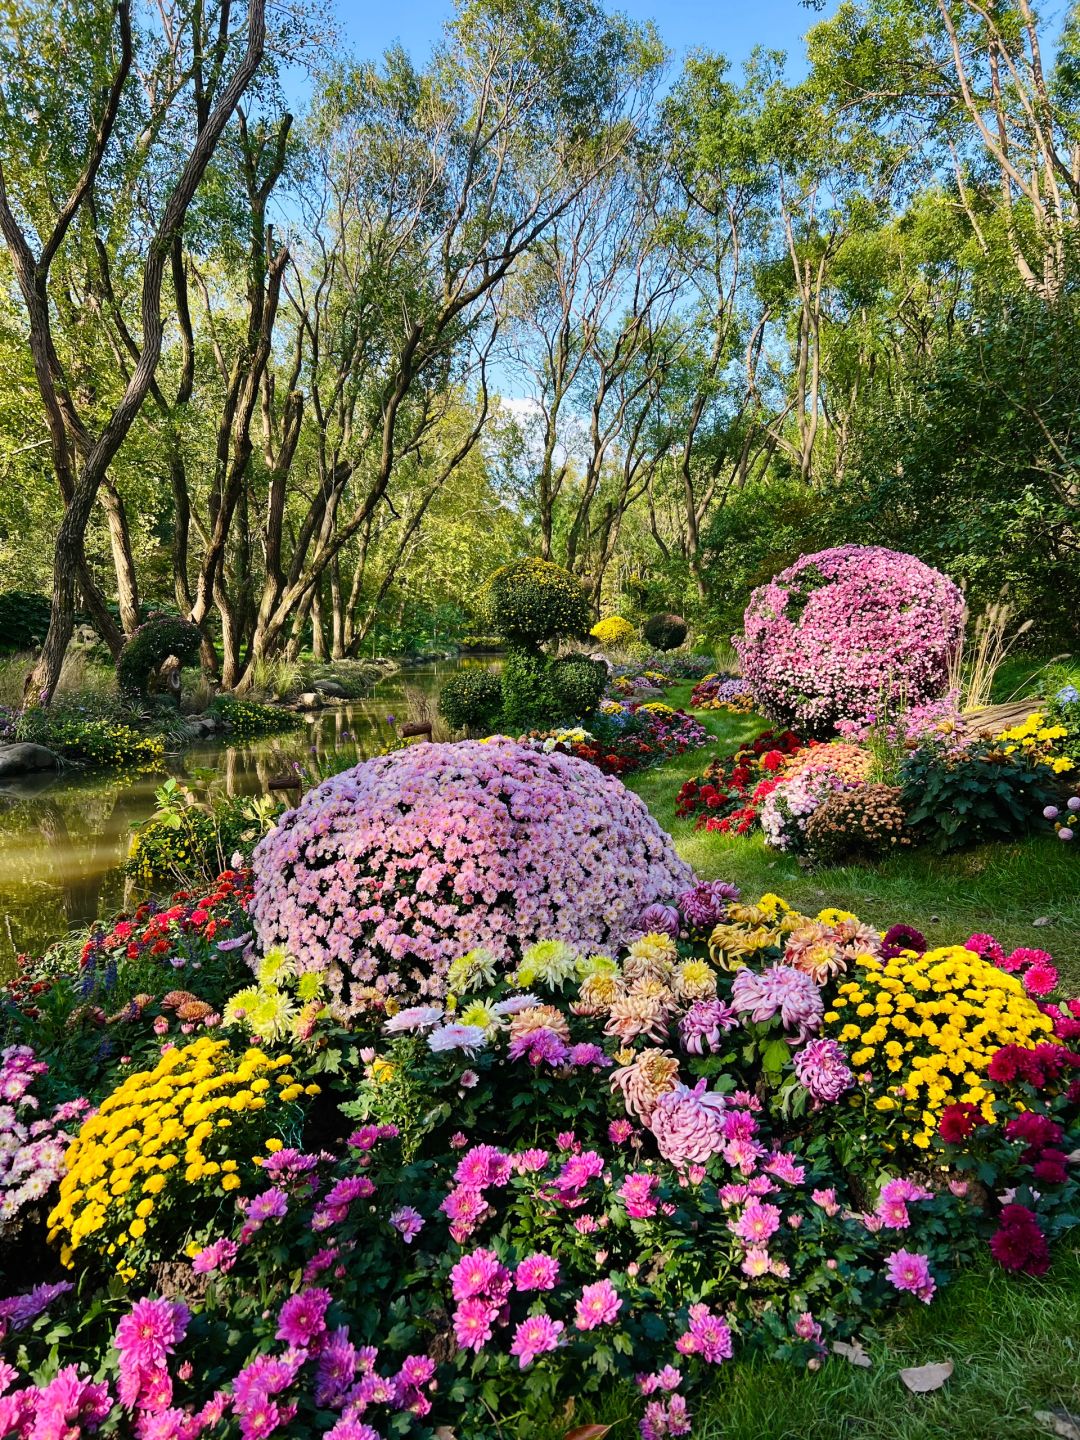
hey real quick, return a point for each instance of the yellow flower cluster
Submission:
(612, 631)
(184, 1123)
(1038, 742)
(927, 1026)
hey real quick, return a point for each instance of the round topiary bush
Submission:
(858, 825)
(575, 686)
(531, 601)
(665, 631)
(387, 872)
(838, 632)
(612, 632)
(471, 700)
(152, 644)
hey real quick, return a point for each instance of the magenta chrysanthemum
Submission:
(822, 1068)
(779, 990)
(387, 872)
(834, 633)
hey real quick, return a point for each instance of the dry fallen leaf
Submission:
(587, 1432)
(1060, 1422)
(921, 1379)
(853, 1352)
(445, 1433)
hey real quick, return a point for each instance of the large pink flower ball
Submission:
(838, 632)
(387, 872)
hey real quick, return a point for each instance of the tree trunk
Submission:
(127, 586)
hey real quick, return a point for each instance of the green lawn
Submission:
(1014, 1343)
(1000, 888)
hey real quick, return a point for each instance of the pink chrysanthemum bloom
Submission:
(689, 1124)
(598, 1305)
(1040, 979)
(704, 1023)
(302, 1319)
(472, 1323)
(527, 1162)
(665, 1417)
(822, 1068)
(779, 990)
(478, 1273)
(534, 1336)
(483, 1165)
(756, 1223)
(638, 1192)
(536, 1272)
(908, 1270)
(707, 1335)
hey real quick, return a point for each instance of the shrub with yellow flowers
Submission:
(168, 1145)
(612, 632)
(923, 1029)
(1040, 740)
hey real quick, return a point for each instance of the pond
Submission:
(64, 838)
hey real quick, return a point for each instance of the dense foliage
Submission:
(471, 700)
(156, 640)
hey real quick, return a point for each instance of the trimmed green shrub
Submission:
(531, 601)
(665, 631)
(524, 693)
(574, 686)
(24, 620)
(151, 644)
(471, 700)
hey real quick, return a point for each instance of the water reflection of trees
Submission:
(64, 838)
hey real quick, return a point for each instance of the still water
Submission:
(64, 838)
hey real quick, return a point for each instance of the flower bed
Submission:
(625, 736)
(723, 692)
(751, 1130)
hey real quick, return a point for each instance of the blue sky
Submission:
(732, 26)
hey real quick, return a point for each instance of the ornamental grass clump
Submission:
(834, 634)
(387, 872)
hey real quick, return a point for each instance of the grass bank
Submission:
(998, 888)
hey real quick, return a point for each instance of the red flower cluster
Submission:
(729, 796)
(1066, 1018)
(1037, 1067)
(201, 917)
(1018, 1243)
(958, 1121)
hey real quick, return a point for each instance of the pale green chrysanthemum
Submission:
(478, 966)
(552, 962)
(274, 966)
(476, 1012)
(309, 986)
(272, 1014)
(596, 965)
(239, 1007)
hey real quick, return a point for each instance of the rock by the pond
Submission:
(310, 700)
(331, 688)
(24, 758)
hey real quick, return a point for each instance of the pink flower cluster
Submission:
(387, 872)
(830, 636)
(31, 1150)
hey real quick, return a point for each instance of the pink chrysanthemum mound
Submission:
(832, 634)
(387, 872)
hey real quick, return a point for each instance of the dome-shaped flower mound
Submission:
(832, 634)
(387, 872)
